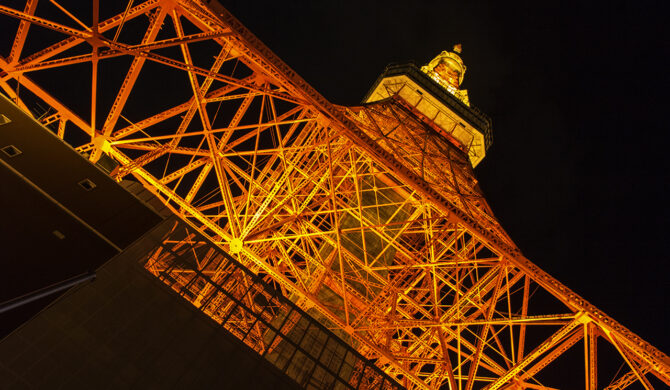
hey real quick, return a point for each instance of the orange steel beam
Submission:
(633, 366)
(22, 32)
(541, 349)
(625, 380)
(361, 215)
(133, 72)
(70, 42)
(50, 100)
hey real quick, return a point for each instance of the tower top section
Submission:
(448, 70)
(434, 93)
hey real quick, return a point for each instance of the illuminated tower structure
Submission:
(369, 218)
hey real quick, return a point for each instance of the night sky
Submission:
(577, 170)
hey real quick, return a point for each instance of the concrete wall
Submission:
(127, 330)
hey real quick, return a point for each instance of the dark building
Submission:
(125, 328)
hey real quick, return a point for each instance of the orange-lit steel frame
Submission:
(363, 216)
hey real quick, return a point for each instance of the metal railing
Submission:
(259, 315)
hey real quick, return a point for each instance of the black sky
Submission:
(577, 173)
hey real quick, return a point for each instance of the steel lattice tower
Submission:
(368, 217)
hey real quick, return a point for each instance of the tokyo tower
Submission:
(369, 218)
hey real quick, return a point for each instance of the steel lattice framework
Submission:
(363, 216)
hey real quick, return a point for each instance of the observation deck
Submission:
(466, 125)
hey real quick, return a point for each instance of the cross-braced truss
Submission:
(364, 216)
